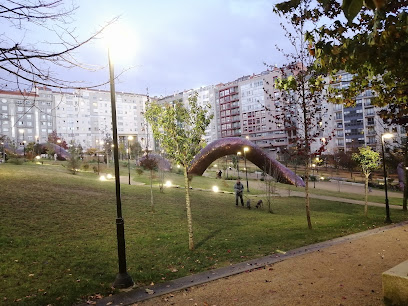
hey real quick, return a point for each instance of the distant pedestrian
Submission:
(239, 190)
(219, 174)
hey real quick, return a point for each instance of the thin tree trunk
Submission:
(151, 190)
(188, 207)
(307, 148)
(307, 199)
(366, 194)
(404, 201)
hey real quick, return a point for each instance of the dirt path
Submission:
(345, 274)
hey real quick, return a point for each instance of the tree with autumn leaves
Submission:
(299, 106)
(368, 39)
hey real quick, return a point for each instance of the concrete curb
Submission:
(139, 294)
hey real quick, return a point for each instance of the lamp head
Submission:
(387, 136)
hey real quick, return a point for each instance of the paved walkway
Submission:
(283, 192)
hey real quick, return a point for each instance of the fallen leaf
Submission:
(149, 291)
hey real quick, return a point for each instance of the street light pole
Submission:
(59, 144)
(387, 206)
(22, 132)
(314, 177)
(123, 279)
(238, 155)
(128, 155)
(246, 171)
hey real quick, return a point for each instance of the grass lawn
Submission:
(58, 233)
(202, 182)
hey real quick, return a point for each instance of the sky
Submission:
(178, 45)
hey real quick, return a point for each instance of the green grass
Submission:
(202, 182)
(58, 233)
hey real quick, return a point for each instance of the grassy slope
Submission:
(58, 236)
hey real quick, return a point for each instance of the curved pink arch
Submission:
(230, 146)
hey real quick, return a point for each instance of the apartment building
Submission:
(27, 116)
(359, 125)
(85, 117)
(205, 97)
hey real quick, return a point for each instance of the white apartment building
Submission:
(205, 96)
(27, 116)
(85, 117)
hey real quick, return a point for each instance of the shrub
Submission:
(139, 171)
(16, 161)
(85, 166)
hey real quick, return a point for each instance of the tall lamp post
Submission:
(22, 132)
(123, 279)
(246, 171)
(130, 138)
(238, 155)
(59, 144)
(387, 206)
(314, 177)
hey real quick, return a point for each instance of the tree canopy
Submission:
(372, 47)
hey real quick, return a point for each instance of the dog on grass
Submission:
(259, 204)
(249, 204)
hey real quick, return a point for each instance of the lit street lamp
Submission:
(130, 138)
(59, 144)
(387, 206)
(238, 155)
(123, 279)
(246, 171)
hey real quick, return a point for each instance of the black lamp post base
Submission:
(123, 280)
(387, 220)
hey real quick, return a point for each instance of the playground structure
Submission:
(254, 154)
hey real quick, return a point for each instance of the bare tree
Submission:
(24, 62)
(299, 107)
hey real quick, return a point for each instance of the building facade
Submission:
(85, 117)
(27, 116)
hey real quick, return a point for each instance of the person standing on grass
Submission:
(239, 190)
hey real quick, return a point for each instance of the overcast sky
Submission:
(181, 44)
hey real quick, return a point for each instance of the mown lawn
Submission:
(58, 233)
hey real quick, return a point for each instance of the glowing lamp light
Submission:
(387, 136)
(109, 176)
(178, 166)
(116, 36)
(215, 189)
(102, 178)
(168, 184)
(38, 157)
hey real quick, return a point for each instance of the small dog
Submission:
(249, 204)
(259, 204)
